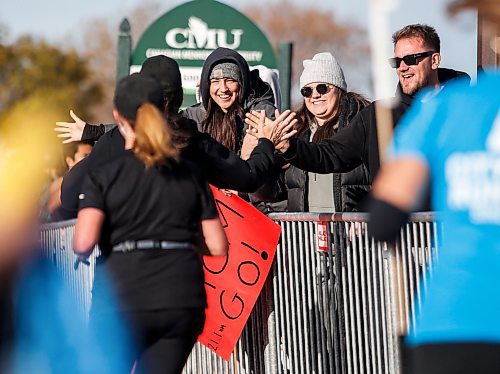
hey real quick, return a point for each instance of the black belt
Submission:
(129, 245)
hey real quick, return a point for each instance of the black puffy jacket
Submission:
(347, 189)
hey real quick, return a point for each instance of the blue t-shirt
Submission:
(50, 333)
(457, 135)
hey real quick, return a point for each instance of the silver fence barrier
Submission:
(334, 302)
(57, 246)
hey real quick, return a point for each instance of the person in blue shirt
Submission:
(453, 140)
(43, 329)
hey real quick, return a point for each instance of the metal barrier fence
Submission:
(57, 244)
(335, 301)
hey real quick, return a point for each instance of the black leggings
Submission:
(163, 338)
(166, 338)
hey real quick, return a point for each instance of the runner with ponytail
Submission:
(149, 210)
(153, 140)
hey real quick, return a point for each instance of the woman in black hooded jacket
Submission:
(228, 90)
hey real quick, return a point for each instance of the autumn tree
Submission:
(313, 30)
(99, 47)
(38, 84)
(35, 68)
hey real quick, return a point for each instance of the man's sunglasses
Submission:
(408, 59)
(321, 88)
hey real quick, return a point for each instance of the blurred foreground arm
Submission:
(395, 192)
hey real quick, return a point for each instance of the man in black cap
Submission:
(164, 69)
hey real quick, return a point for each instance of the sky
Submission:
(54, 20)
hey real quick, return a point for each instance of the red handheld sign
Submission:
(233, 283)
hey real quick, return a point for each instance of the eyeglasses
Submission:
(321, 88)
(409, 59)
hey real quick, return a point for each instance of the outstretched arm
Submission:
(72, 131)
(80, 130)
(340, 153)
(225, 169)
(395, 192)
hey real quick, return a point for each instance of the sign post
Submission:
(124, 50)
(285, 69)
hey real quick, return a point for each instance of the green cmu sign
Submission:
(191, 31)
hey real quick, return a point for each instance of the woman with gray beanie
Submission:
(327, 107)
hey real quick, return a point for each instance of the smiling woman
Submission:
(225, 92)
(327, 108)
(225, 88)
(228, 90)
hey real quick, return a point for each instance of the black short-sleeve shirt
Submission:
(163, 203)
(160, 203)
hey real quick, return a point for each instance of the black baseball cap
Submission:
(133, 91)
(165, 70)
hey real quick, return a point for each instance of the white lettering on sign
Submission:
(190, 77)
(199, 36)
(252, 57)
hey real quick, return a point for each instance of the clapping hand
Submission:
(277, 131)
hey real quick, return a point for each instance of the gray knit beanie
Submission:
(323, 68)
(226, 70)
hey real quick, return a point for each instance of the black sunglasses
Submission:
(321, 88)
(408, 59)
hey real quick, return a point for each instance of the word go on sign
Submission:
(233, 283)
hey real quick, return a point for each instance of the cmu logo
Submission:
(199, 36)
